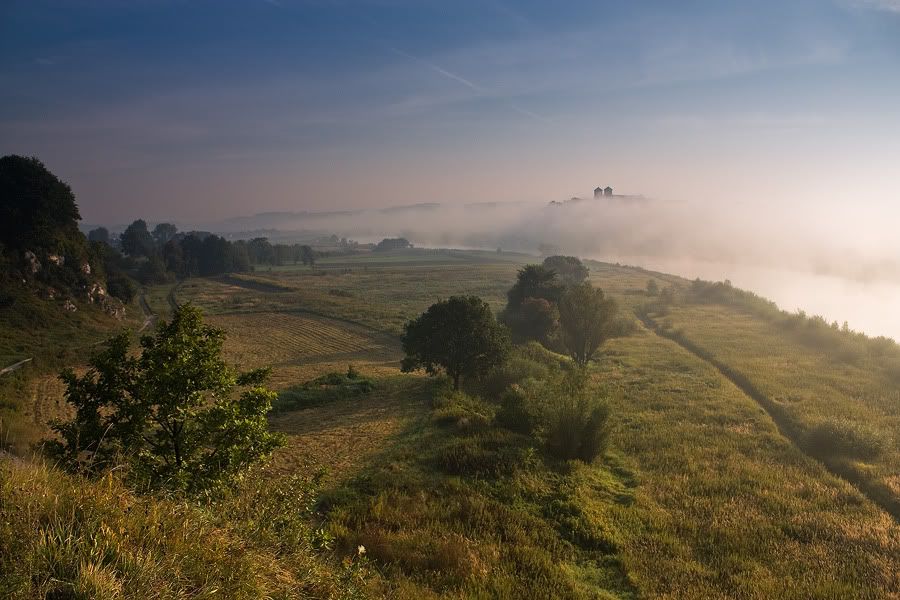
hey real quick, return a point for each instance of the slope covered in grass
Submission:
(64, 537)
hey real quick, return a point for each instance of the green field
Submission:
(711, 487)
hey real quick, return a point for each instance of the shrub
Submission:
(519, 413)
(515, 370)
(850, 440)
(322, 390)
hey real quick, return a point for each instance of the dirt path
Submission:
(15, 366)
(871, 490)
(150, 317)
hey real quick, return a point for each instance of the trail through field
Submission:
(342, 436)
(786, 427)
(15, 366)
(150, 317)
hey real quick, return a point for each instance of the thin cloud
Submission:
(469, 84)
(884, 5)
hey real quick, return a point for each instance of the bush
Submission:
(462, 411)
(850, 440)
(515, 370)
(519, 413)
(322, 390)
(578, 427)
(121, 286)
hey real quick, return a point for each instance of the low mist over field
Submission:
(840, 260)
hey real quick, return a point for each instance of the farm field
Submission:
(700, 495)
(699, 482)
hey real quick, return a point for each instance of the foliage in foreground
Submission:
(62, 536)
(171, 412)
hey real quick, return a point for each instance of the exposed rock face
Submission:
(56, 259)
(32, 262)
(86, 268)
(96, 294)
(70, 306)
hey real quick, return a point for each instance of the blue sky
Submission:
(191, 110)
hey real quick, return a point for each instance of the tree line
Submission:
(163, 253)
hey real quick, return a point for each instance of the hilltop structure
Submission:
(601, 192)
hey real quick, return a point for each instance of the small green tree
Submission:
(652, 287)
(172, 412)
(459, 335)
(569, 269)
(577, 420)
(586, 320)
(534, 281)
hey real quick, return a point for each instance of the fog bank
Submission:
(838, 259)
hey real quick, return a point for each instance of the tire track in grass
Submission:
(878, 494)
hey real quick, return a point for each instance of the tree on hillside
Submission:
(163, 232)
(458, 335)
(535, 319)
(37, 210)
(586, 320)
(136, 239)
(172, 412)
(569, 269)
(534, 281)
(100, 234)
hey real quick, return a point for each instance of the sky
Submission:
(193, 111)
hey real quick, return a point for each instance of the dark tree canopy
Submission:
(535, 319)
(393, 244)
(100, 234)
(172, 411)
(37, 210)
(458, 335)
(569, 269)
(586, 320)
(307, 256)
(136, 239)
(163, 232)
(534, 281)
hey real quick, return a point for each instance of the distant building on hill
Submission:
(608, 191)
(598, 191)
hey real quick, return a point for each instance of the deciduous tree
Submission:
(172, 412)
(586, 320)
(458, 335)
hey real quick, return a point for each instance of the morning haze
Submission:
(504, 299)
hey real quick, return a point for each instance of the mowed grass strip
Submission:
(724, 505)
(846, 410)
(269, 338)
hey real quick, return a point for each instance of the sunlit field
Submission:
(698, 496)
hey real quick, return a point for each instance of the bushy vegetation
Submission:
(171, 413)
(459, 336)
(321, 390)
(62, 536)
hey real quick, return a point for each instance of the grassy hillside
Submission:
(63, 537)
(52, 337)
(704, 492)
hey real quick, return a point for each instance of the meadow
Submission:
(701, 493)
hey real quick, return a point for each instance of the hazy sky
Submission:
(185, 110)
